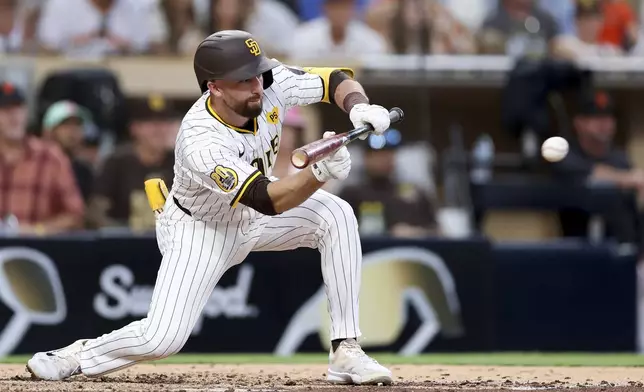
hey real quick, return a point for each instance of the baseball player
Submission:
(224, 204)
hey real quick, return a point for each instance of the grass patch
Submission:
(484, 359)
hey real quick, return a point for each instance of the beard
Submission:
(249, 109)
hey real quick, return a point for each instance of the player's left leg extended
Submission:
(195, 255)
(328, 223)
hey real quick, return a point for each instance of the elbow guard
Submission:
(257, 198)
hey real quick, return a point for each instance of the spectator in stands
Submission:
(339, 34)
(119, 196)
(94, 27)
(159, 27)
(271, 22)
(16, 27)
(292, 5)
(594, 159)
(620, 24)
(384, 205)
(521, 28)
(469, 12)
(173, 126)
(589, 20)
(63, 123)
(37, 185)
(184, 33)
(420, 26)
(313, 9)
(473, 12)
(564, 13)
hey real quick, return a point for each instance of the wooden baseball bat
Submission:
(320, 149)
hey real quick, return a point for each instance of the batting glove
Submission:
(376, 115)
(336, 166)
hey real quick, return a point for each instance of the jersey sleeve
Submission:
(305, 86)
(218, 169)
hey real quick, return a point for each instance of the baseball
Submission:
(554, 149)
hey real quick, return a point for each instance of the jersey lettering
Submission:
(275, 144)
(259, 164)
(216, 163)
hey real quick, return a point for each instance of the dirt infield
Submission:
(229, 378)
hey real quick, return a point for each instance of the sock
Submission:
(335, 343)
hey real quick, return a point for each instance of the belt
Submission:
(182, 208)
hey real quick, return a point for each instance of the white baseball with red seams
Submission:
(554, 149)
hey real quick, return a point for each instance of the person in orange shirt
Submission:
(620, 24)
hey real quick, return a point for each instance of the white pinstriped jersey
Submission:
(215, 162)
(214, 165)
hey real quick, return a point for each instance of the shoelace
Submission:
(66, 352)
(354, 350)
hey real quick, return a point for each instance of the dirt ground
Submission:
(232, 378)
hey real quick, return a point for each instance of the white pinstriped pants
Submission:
(195, 256)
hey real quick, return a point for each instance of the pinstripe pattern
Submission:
(197, 254)
(326, 222)
(204, 142)
(199, 248)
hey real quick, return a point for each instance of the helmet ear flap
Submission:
(268, 78)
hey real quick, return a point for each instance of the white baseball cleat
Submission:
(58, 364)
(350, 365)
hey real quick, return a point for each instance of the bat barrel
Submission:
(317, 150)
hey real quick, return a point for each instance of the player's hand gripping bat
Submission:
(320, 149)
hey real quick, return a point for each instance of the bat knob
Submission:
(299, 159)
(396, 114)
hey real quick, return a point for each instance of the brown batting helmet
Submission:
(231, 55)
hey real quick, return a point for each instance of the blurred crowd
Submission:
(54, 179)
(309, 29)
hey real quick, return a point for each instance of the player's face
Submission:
(243, 97)
(13, 122)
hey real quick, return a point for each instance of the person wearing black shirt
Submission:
(594, 159)
(382, 204)
(118, 198)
